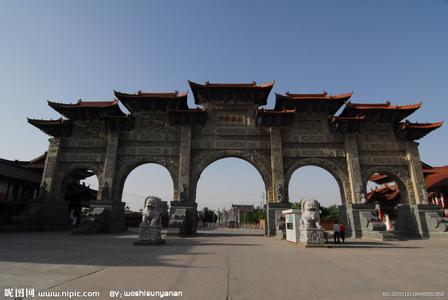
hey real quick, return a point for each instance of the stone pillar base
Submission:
(430, 220)
(271, 222)
(346, 218)
(366, 224)
(312, 237)
(149, 235)
(408, 223)
(353, 218)
(112, 220)
(189, 224)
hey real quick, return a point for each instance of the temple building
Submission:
(436, 180)
(19, 184)
(20, 188)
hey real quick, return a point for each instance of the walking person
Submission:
(342, 232)
(336, 232)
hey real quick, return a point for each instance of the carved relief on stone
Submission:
(150, 123)
(76, 151)
(149, 151)
(151, 137)
(312, 138)
(376, 135)
(183, 196)
(234, 145)
(280, 193)
(185, 166)
(109, 172)
(111, 151)
(54, 146)
(49, 166)
(86, 143)
(309, 127)
(88, 132)
(230, 131)
(278, 167)
(347, 192)
(385, 159)
(414, 166)
(82, 157)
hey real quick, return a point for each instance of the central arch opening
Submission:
(230, 193)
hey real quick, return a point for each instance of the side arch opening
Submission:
(315, 182)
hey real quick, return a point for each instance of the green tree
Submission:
(330, 213)
(252, 217)
(295, 205)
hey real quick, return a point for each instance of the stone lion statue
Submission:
(310, 214)
(151, 211)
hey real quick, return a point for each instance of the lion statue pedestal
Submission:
(149, 231)
(311, 232)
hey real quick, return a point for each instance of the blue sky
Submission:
(67, 50)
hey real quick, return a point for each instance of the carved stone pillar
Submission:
(113, 215)
(184, 165)
(278, 180)
(107, 179)
(416, 173)
(49, 182)
(277, 201)
(52, 210)
(185, 204)
(354, 169)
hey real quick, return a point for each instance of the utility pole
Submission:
(263, 200)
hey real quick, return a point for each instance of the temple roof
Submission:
(270, 117)
(231, 92)
(436, 177)
(311, 102)
(54, 128)
(380, 178)
(87, 110)
(385, 192)
(415, 131)
(152, 101)
(381, 112)
(15, 170)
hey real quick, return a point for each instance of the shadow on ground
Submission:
(110, 250)
(119, 250)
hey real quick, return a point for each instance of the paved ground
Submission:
(221, 264)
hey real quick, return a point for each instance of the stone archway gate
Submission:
(229, 121)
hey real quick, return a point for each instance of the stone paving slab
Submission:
(221, 264)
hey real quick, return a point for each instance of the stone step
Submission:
(171, 231)
(389, 236)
